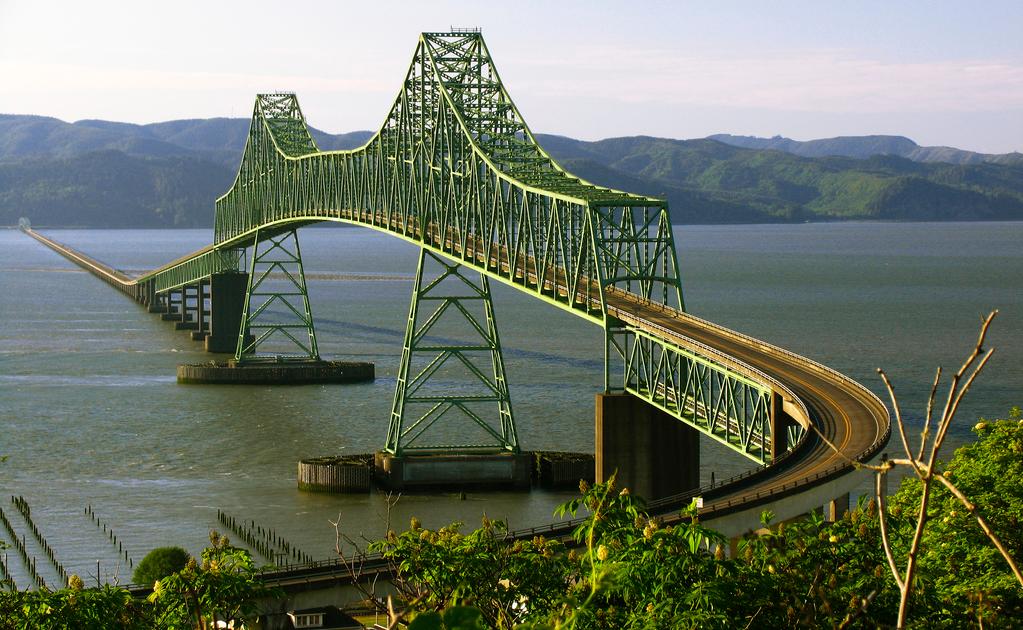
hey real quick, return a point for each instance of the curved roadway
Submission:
(852, 421)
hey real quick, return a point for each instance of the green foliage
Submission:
(74, 608)
(628, 570)
(709, 182)
(112, 189)
(444, 567)
(223, 587)
(159, 563)
(959, 564)
(814, 573)
(453, 618)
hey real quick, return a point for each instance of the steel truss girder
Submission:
(715, 399)
(456, 170)
(276, 259)
(193, 269)
(453, 293)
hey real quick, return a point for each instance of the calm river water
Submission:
(90, 413)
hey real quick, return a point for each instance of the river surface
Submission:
(91, 415)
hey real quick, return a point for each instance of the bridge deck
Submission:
(842, 412)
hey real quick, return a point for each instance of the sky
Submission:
(941, 73)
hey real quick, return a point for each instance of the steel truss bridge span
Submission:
(455, 170)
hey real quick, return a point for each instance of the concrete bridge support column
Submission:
(837, 507)
(227, 299)
(780, 423)
(202, 314)
(654, 454)
(175, 306)
(157, 302)
(189, 308)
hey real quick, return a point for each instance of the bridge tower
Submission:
(460, 382)
(277, 321)
(451, 418)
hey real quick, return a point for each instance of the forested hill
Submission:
(107, 174)
(868, 146)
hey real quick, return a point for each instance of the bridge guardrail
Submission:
(880, 439)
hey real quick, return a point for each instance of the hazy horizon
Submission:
(946, 75)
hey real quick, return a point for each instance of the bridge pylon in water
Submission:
(277, 321)
(443, 381)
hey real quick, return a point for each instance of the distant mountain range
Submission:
(96, 173)
(863, 147)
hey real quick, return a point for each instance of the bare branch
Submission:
(882, 509)
(977, 349)
(930, 410)
(938, 439)
(914, 547)
(925, 471)
(898, 414)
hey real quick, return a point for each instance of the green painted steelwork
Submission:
(276, 280)
(428, 360)
(455, 169)
(192, 269)
(721, 402)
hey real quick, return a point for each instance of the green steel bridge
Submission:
(455, 170)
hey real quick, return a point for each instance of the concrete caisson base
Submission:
(556, 470)
(453, 472)
(353, 473)
(284, 373)
(654, 454)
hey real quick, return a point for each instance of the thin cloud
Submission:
(70, 77)
(831, 81)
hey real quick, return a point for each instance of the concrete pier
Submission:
(654, 454)
(836, 508)
(510, 471)
(227, 301)
(283, 373)
(562, 470)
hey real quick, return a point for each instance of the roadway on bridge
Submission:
(847, 415)
(853, 423)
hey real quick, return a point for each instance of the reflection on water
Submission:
(90, 413)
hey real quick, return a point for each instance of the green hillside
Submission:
(112, 189)
(96, 173)
(707, 181)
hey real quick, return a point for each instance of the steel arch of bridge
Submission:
(456, 170)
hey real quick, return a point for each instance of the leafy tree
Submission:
(453, 618)
(959, 563)
(74, 608)
(159, 563)
(224, 588)
(508, 582)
